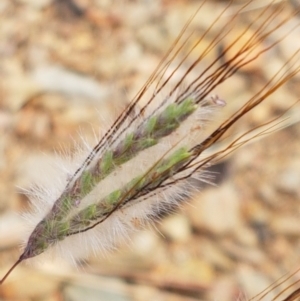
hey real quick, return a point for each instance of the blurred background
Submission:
(69, 67)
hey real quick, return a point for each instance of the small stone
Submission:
(289, 180)
(25, 284)
(177, 227)
(56, 79)
(286, 224)
(38, 4)
(256, 213)
(246, 237)
(223, 288)
(3, 6)
(153, 38)
(281, 249)
(33, 123)
(217, 210)
(245, 254)
(111, 291)
(145, 243)
(191, 272)
(5, 122)
(132, 51)
(18, 87)
(212, 254)
(11, 226)
(267, 193)
(253, 282)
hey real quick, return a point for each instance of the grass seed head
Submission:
(115, 184)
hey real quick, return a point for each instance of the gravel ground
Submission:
(64, 63)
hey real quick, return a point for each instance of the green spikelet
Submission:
(107, 163)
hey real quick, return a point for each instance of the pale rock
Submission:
(213, 254)
(56, 79)
(3, 146)
(78, 113)
(246, 254)
(6, 121)
(35, 124)
(176, 18)
(268, 194)
(19, 88)
(286, 224)
(177, 227)
(217, 210)
(244, 158)
(253, 282)
(289, 180)
(132, 51)
(153, 38)
(96, 292)
(281, 249)
(246, 237)
(145, 243)
(194, 272)
(223, 289)
(40, 168)
(144, 292)
(4, 5)
(28, 284)
(37, 4)
(109, 65)
(11, 226)
(256, 213)
(139, 14)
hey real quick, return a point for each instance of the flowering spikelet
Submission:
(143, 163)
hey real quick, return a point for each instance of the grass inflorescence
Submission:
(115, 185)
